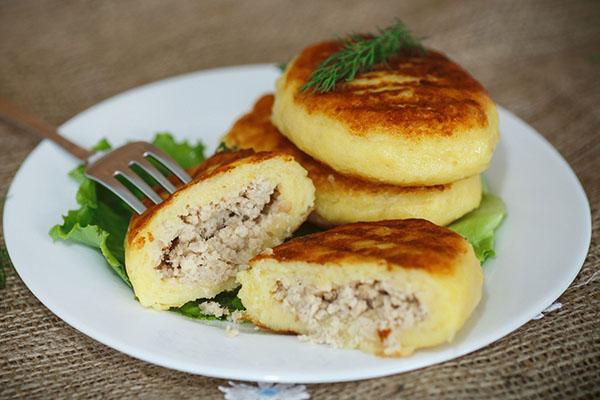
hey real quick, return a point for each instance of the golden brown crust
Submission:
(410, 95)
(271, 330)
(218, 164)
(255, 130)
(409, 243)
(246, 318)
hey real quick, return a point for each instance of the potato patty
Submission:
(387, 287)
(192, 244)
(340, 198)
(417, 120)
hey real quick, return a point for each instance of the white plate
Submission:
(541, 245)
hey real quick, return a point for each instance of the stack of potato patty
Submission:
(393, 154)
(405, 140)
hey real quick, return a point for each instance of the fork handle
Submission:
(12, 114)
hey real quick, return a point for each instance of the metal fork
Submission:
(105, 167)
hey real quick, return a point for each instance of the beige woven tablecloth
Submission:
(539, 59)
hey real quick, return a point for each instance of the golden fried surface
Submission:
(408, 243)
(344, 198)
(418, 120)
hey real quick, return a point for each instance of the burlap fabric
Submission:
(540, 59)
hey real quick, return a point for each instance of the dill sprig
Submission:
(360, 54)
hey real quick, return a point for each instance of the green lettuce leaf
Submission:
(101, 222)
(228, 300)
(479, 225)
(184, 153)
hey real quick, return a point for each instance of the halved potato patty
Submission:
(386, 287)
(192, 244)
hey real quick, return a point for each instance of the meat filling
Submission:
(351, 312)
(215, 240)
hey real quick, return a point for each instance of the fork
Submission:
(105, 167)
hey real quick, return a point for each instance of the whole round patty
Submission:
(416, 120)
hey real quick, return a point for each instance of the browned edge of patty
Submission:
(270, 330)
(409, 243)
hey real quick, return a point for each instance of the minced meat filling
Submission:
(370, 308)
(215, 240)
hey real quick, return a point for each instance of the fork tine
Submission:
(121, 191)
(140, 184)
(167, 161)
(154, 173)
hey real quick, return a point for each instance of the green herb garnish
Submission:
(4, 263)
(360, 54)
